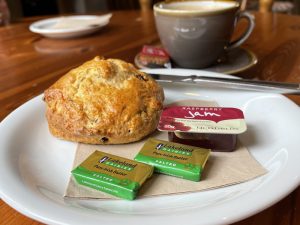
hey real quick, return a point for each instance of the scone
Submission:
(103, 102)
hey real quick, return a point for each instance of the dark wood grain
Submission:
(30, 63)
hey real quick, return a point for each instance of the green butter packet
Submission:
(112, 174)
(174, 159)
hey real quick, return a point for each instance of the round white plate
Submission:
(35, 166)
(69, 26)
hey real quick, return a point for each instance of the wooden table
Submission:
(29, 63)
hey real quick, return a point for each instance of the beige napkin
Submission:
(222, 169)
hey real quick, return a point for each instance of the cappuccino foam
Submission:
(198, 6)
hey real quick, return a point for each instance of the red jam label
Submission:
(154, 51)
(202, 120)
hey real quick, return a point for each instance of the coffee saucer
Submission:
(235, 61)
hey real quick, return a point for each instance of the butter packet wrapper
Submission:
(112, 174)
(174, 159)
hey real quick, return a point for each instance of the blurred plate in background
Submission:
(70, 26)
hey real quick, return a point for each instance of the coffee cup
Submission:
(197, 33)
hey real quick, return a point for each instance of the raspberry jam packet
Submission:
(112, 174)
(174, 159)
(207, 127)
(154, 57)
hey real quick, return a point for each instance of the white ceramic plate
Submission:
(35, 166)
(69, 26)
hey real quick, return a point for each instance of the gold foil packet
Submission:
(112, 174)
(174, 159)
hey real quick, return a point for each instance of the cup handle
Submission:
(251, 23)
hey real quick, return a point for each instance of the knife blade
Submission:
(231, 83)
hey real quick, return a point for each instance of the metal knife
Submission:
(231, 83)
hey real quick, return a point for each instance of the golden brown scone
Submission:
(103, 102)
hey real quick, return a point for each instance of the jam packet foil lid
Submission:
(215, 120)
(174, 159)
(112, 174)
(154, 51)
(154, 57)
